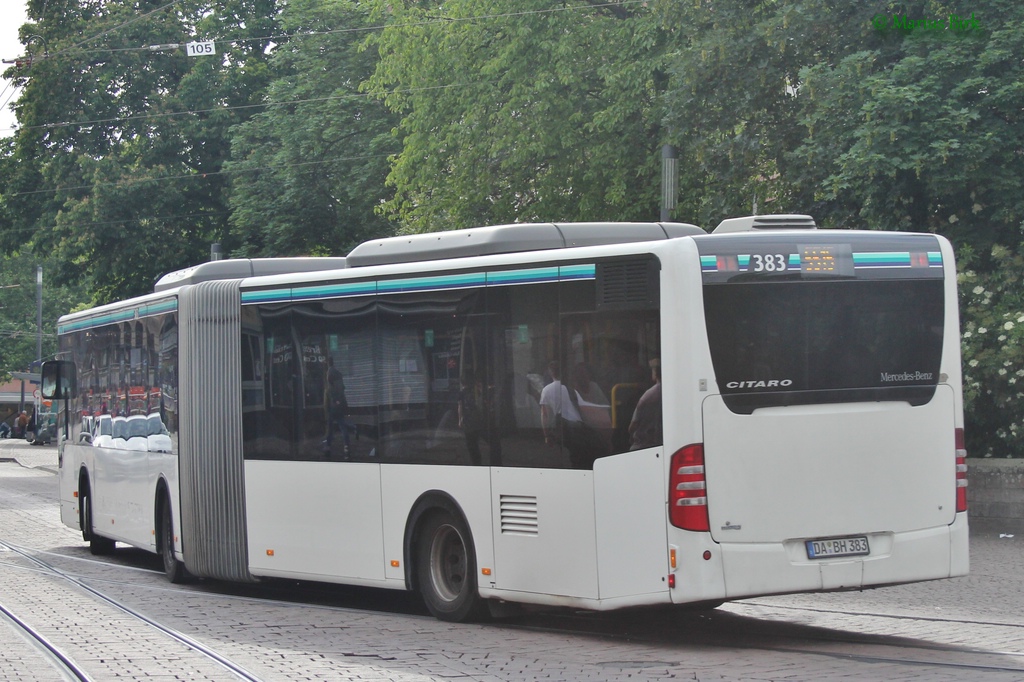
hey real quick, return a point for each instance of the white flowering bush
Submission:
(992, 338)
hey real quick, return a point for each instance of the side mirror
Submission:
(58, 380)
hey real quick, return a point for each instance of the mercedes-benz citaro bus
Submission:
(594, 415)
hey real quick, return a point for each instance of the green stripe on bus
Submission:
(525, 276)
(577, 271)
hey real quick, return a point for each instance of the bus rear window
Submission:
(777, 343)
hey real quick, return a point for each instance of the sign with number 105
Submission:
(200, 49)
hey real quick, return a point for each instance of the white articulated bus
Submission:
(596, 415)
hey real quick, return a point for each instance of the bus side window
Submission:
(523, 331)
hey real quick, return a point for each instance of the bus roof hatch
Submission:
(766, 222)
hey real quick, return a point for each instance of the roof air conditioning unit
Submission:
(766, 222)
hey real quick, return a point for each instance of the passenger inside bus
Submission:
(563, 422)
(645, 428)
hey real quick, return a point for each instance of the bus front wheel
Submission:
(446, 569)
(98, 546)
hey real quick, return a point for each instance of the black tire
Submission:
(98, 545)
(446, 569)
(174, 569)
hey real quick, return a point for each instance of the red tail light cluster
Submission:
(961, 472)
(687, 494)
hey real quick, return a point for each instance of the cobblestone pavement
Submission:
(968, 628)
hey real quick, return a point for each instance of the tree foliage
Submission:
(308, 172)
(521, 111)
(18, 310)
(921, 130)
(321, 123)
(119, 156)
(992, 311)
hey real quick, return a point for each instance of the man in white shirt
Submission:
(554, 403)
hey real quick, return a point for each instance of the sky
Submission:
(12, 16)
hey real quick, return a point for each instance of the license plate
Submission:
(823, 549)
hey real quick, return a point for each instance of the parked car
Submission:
(119, 425)
(103, 432)
(159, 437)
(137, 433)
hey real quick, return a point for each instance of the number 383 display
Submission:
(768, 262)
(823, 549)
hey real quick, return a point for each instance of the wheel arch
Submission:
(426, 503)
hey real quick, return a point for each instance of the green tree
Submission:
(308, 172)
(992, 312)
(811, 107)
(118, 162)
(18, 330)
(521, 110)
(736, 94)
(922, 129)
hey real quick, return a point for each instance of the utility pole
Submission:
(39, 315)
(669, 181)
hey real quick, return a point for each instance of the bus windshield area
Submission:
(779, 343)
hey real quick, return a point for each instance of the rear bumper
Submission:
(760, 569)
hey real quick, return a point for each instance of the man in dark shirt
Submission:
(645, 429)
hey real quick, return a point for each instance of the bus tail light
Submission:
(961, 472)
(687, 495)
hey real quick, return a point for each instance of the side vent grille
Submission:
(518, 515)
(627, 284)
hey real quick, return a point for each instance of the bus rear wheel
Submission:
(446, 569)
(174, 569)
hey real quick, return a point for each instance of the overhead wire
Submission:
(14, 91)
(195, 175)
(31, 229)
(7, 101)
(15, 333)
(270, 38)
(96, 223)
(281, 37)
(482, 17)
(367, 29)
(88, 40)
(6, 88)
(111, 30)
(169, 114)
